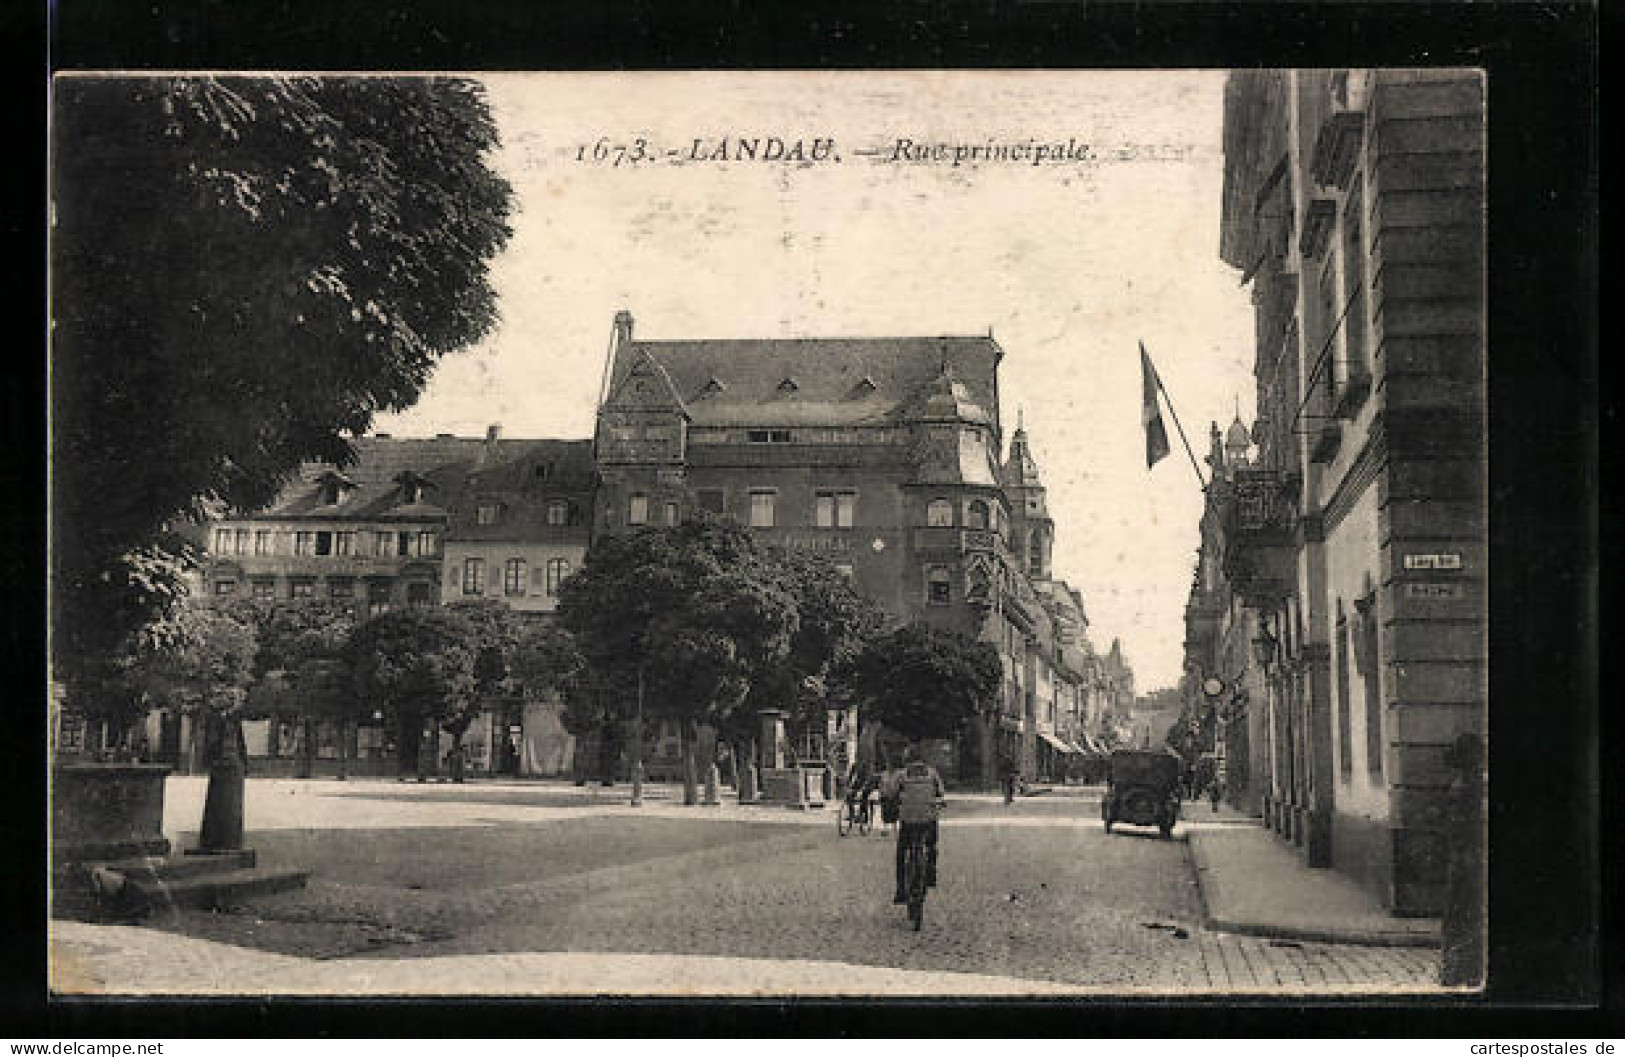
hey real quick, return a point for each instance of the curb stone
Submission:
(1207, 884)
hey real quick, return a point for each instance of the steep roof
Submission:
(454, 470)
(813, 381)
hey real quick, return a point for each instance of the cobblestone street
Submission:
(1033, 891)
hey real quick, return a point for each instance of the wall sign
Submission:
(1433, 561)
(1434, 591)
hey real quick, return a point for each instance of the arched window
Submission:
(513, 576)
(558, 512)
(940, 513)
(939, 586)
(978, 514)
(557, 570)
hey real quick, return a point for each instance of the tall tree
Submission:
(302, 666)
(245, 271)
(691, 612)
(417, 666)
(924, 682)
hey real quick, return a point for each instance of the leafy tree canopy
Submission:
(695, 607)
(924, 682)
(417, 664)
(245, 271)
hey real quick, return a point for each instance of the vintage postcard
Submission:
(932, 533)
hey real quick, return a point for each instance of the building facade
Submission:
(412, 522)
(1354, 539)
(881, 453)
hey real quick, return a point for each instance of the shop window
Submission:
(263, 589)
(419, 595)
(302, 589)
(341, 589)
(939, 586)
(709, 500)
(377, 598)
(225, 587)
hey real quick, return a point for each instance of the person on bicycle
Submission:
(861, 784)
(920, 795)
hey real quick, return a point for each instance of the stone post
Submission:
(1462, 957)
(712, 779)
(773, 746)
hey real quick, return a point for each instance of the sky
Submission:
(1070, 264)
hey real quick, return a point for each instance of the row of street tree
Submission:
(694, 624)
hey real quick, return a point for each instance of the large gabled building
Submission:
(881, 453)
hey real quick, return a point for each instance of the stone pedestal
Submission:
(106, 811)
(775, 748)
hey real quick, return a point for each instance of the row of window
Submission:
(515, 576)
(377, 595)
(324, 543)
(558, 513)
(831, 509)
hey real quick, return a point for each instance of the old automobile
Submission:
(1142, 788)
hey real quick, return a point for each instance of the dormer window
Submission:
(543, 471)
(767, 436)
(865, 386)
(335, 487)
(411, 485)
(487, 513)
(712, 386)
(788, 386)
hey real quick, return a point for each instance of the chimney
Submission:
(488, 453)
(619, 342)
(623, 328)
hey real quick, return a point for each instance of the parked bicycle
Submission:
(854, 814)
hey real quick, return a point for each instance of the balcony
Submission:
(1259, 546)
(954, 541)
(1337, 147)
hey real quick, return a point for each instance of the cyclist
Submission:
(861, 784)
(920, 795)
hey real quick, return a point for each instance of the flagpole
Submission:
(1177, 425)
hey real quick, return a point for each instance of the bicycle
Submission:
(915, 867)
(854, 813)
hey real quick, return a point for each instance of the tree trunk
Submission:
(222, 828)
(307, 747)
(457, 756)
(747, 773)
(606, 755)
(345, 728)
(691, 793)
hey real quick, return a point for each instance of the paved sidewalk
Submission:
(1254, 884)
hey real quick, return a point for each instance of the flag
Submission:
(1156, 437)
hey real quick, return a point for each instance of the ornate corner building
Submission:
(884, 455)
(1340, 592)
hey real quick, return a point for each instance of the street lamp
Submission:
(637, 747)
